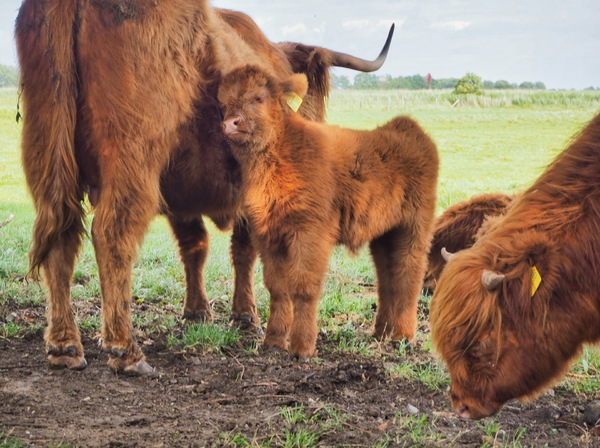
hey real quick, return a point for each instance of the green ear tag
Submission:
(294, 101)
(536, 279)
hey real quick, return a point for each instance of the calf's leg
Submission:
(400, 258)
(193, 241)
(295, 285)
(281, 312)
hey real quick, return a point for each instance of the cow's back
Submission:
(385, 175)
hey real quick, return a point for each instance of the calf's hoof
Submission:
(197, 316)
(302, 355)
(247, 324)
(296, 357)
(394, 334)
(70, 357)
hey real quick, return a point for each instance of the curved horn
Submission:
(345, 60)
(447, 256)
(491, 280)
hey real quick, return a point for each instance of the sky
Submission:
(556, 42)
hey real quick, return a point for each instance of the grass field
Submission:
(500, 141)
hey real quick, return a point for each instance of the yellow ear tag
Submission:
(294, 101)
(536, 279)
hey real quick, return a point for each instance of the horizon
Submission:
(547, 41)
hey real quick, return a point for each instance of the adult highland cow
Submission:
(117, 96)
(308, 186)
(510, 314)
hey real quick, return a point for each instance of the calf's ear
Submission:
(297, 83)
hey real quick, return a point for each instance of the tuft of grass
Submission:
(431, 374)
(415, 430)
(17, 330)
(494, 435)
(205, 337)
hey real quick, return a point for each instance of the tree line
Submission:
(9, 76)
(366, 81)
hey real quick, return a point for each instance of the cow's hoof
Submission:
(64, 361)
(138, 368)
(271, 348)
(301, 359)
(245, 324)
(70, 357)
(197, 316)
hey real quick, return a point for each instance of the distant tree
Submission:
(502, 84)
(366, 81)
(444, 83)
(339, 82)
(488, 84)
(414, 82)
(470, 83)
(527, 85)
(540, 85)
(9, 76)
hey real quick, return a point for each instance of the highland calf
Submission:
(458, 228)
(308, 186)
(511, 313)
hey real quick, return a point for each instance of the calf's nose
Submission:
(231, 125)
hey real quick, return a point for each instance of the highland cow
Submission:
(309, 186)
(510, 314)
(458, 228)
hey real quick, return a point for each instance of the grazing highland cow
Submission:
(458, 228)
(511, 313)
(119, 100)
(308, 186)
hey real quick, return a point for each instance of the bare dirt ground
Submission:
(236, 399)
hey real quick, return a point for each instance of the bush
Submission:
(468, 84)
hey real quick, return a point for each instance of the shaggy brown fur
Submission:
(120, 121)
(308, 186)
(499, 341)
(457, 229)
(210, 175)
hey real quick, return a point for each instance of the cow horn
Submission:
(352, 62)
(447, 256)
(491, 280)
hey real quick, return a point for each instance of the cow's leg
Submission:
(243, 255)
(127, 204)
(400, 258)
(63, 341)
(295, 286)
(281, 311)
(192, 238)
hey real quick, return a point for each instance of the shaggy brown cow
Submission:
(308, 186)
(457, 229)
(510, 314)
(119, 121)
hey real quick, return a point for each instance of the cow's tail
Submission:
(45, 35)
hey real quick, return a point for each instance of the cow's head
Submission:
(254, 103)
(499, 341)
